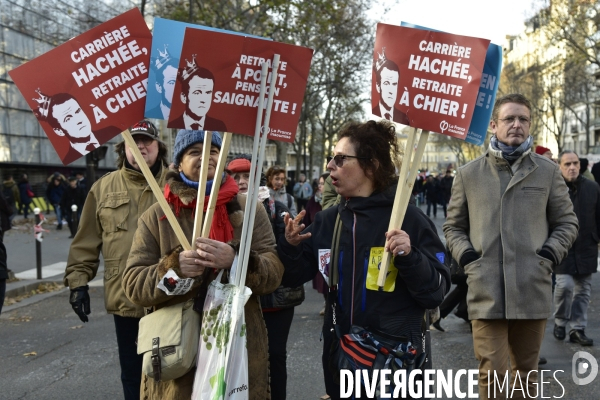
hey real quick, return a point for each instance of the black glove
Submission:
(468, 257)
(544, 252)
(80, 301)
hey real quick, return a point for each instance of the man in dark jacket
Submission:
(446, 190)
(54, 193)
(574, 273)
(432, 192)
(73, 196)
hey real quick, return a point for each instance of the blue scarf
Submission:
(195, 185)
(511, 153)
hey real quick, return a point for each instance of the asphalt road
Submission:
(73, 360)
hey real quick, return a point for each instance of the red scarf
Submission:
(221, 228)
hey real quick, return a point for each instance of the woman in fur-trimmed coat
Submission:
(156, 249)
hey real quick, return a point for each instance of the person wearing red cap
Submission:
(277, 307)
(543, 151)
(239, 169)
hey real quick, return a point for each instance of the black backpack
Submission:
(8, 195)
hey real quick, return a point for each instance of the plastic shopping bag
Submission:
(222, 366)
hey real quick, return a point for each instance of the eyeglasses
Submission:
(510, 120)
(143, 139)
(339, 159)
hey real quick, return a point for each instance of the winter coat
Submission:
(446, 188)
(11, 194)
(155, 249)
(107, 223)
(303, 190)
(312, 208)
(286, 198)
(6, 212)
(506, 216)
(432, 190)
(72, 196)
(416, 282)
(583, 256)
(283, 297)
(54, 192)
(23, 187)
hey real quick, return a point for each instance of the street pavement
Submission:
(48, 353)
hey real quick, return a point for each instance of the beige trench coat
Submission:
(507, 217)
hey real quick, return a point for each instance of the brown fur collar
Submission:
(187, 194)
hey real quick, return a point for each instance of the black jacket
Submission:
(583, 255)
(283, 296)
(72, 196)
(422, 278)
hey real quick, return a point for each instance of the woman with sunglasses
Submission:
(364, 175)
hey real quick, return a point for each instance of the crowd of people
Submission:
(536, 226)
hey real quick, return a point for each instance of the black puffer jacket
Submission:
(421, 279)
(583, 255)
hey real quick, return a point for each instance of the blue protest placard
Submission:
(486, 97)
(167, 41)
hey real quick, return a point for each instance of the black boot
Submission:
(578, 336)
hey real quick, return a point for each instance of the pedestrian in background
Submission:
(574, 274)
(54, 193)
(275, 182)
(446, 190)
(108, 222)
(10, 190)
(431, 188)
(5, 212)
(26, 194)
(509, 222)
(302, 192)
(72, 196)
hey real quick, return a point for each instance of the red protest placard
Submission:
(91, 88)
(218, 84)
(427, 79)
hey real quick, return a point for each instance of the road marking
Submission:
(47, 271)
(58, 269)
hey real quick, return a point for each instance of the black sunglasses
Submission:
(339, 159)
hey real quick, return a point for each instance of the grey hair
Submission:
(562, 153)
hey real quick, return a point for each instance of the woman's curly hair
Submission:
(376, 144)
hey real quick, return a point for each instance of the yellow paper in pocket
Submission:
(375, 256)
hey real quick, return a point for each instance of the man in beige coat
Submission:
(108, 222)
(509, 221)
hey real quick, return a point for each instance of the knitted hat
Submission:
(186, 138)
(541, 150)
(239, 165)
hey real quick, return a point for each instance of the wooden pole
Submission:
(247, 241)
(202, 185)
(214, 192)
(403, 193)
(252, 188)
(408, 150)
(158, 193)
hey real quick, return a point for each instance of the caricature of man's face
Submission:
(199, 96)
(165, 88)
(388, 90)
(72, 120)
